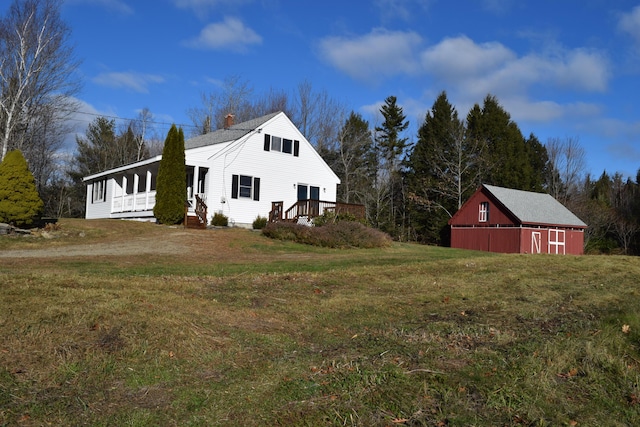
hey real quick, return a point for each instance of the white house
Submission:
(239, 171)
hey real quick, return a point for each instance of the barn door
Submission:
(556, 241)
(535, 242)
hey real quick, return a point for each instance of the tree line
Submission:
(410, 184)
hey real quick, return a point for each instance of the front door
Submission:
(310, 194)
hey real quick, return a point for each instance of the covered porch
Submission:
(134, 190)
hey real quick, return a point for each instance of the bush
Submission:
(329, 217)
(172, 181)
(343, 234)
(219, 220)
(259, 223)
(20, 203)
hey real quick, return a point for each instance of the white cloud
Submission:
(118, 6)
(137, 82)
(630, 23)
(461, 57)
(493, 68)
(231, 34)
(380, 53)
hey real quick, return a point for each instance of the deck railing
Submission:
(304, 211)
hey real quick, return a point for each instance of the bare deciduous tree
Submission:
(318, 116)
(36, 70)
(141, 127)
(568, 163)
(233, 98)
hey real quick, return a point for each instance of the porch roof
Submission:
(123, 168)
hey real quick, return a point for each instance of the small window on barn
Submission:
(483, 213)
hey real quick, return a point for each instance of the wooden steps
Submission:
(194, 222)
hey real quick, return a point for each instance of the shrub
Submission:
(259, 223)
(219, 220)
(171, 194)
(343, 234)
(19, 199)
(329, 217)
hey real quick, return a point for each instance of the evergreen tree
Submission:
(388, 204)
(171, 186)
(509, 162)
(350, 160)
(101, 149)
(390, 143)
(440, 171)
(20, 203)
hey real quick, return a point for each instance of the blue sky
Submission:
(561, 68)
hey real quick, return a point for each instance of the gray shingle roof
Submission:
(233, 133)
(534, 208)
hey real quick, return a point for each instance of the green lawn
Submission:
(256, 332)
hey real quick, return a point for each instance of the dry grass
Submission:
(236, 329)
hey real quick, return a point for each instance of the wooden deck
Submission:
(304, 211)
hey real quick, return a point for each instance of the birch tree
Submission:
(37, 66)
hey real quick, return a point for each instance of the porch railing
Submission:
(133, 202)
(201, 209)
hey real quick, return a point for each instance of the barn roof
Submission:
(534, 208)
(232, 133)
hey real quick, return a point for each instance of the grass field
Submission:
(112, 323)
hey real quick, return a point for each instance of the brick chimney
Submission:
(228, 120)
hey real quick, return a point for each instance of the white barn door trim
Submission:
(536, 237)
(556, 241)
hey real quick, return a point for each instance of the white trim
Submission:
(536, 236)
(557, 242)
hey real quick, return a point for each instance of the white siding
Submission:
(99, 209)
(279, 173)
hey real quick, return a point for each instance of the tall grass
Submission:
(284, 334)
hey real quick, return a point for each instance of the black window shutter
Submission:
(296, 148)
(256, 188)
(267, 142)
(234, 187)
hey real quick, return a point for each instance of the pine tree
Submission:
(20, 203)
(390, 143)
(386, 209)
(171, 186)
(350, 161)
(509, 161)
(440, 171)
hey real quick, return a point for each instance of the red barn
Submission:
(497, 219)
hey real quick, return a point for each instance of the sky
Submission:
(561, 68)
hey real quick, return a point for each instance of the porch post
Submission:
(136, 181)
(124, 193)
(196, 181)
(147, 190)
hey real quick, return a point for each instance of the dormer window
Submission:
(483, 212)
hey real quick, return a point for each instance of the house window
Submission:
(281, 145)
(287, 146)
(483, 213)
(276, 143)
(245, 186)
(99, 191)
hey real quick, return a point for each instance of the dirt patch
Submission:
(86, 239)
